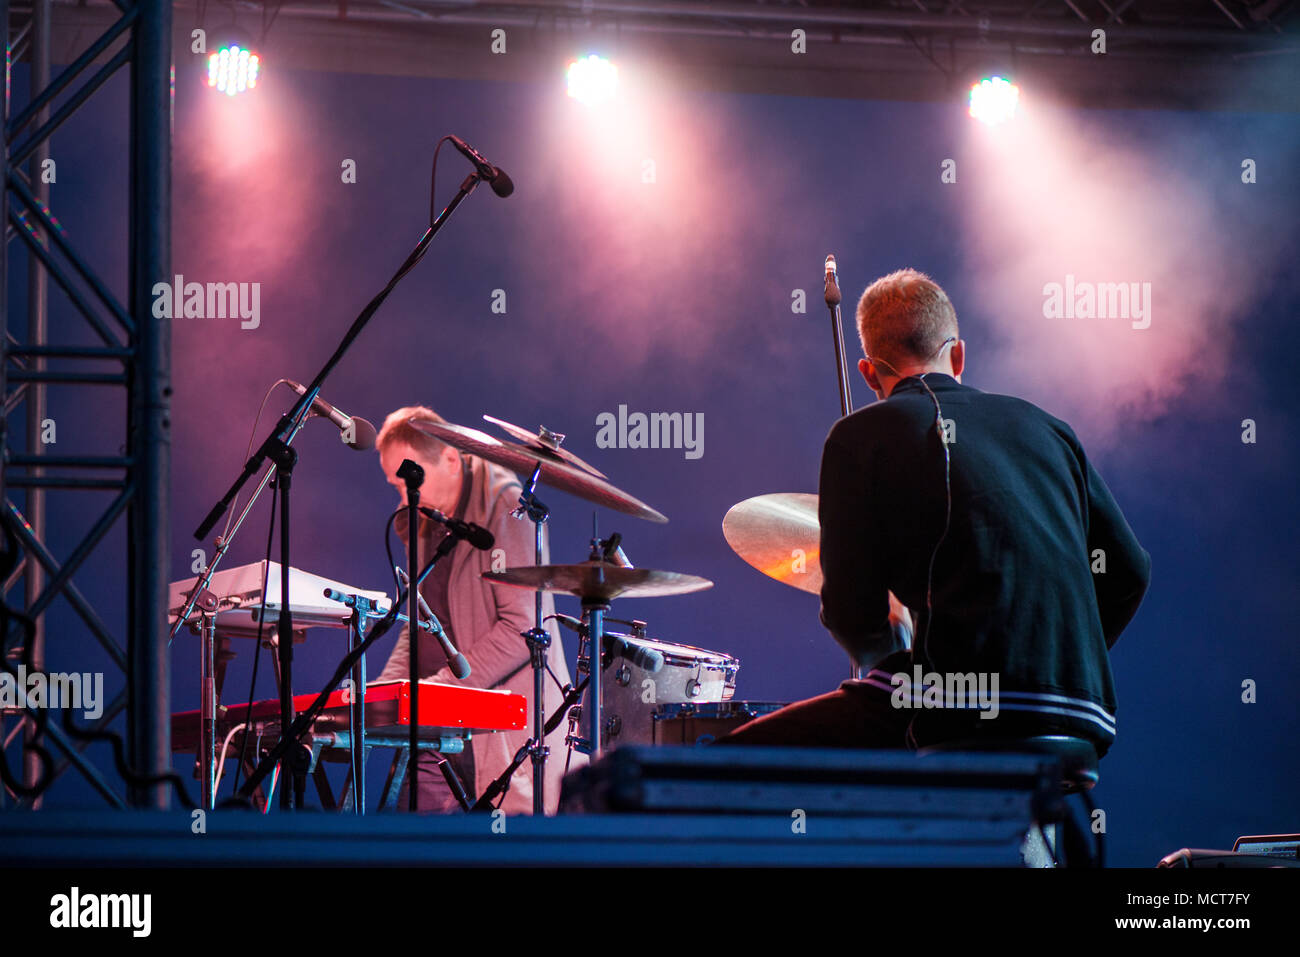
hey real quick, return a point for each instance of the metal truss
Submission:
(1179, 54)
(1171, 21)
(131, 357)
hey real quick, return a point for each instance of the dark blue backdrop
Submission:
(676, 295)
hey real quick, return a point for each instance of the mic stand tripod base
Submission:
(539, 640)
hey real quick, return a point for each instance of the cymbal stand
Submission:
(593, 613)
(539, 641)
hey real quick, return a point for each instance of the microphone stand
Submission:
(290, 734)
(833, 298)
(572, 694)
(276, 447)
(223, 543)
(414, 477)
(539, 640)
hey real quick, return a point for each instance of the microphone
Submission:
(833, 296)
(614, 554)
(619, 646)
(622, 646)
(476, 535)
(455, 660)
(361, 431)
(494, 176)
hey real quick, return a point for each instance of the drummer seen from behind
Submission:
(484, 622)
(984, 516)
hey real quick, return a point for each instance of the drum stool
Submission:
(1079, 773)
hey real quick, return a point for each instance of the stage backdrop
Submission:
(666, 256)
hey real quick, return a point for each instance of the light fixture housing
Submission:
(993, 100)
(592, 79)
(234, 64)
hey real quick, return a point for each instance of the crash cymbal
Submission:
(544, 440)
(599, 580)
(555, 472)
(779, 534)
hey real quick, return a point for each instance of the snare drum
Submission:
(630, 695)
(703, 723)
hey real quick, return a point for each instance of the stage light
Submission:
(233, 69)
(592, 79)
(234, 63)
(993, 100)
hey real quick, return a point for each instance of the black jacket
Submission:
(1018, 586)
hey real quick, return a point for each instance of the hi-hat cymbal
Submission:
(545, 441)
(555, 472)
(599, 581)
(780, 535)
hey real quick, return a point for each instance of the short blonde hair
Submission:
(397, 428)
(905, 316)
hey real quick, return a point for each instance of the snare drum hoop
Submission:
(715, 709)
(695, 657)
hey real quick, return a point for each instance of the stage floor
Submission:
(104, 838)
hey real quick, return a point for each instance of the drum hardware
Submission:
(685, 675)
(689, 677)
(537, 638)
(597, 582)
(541, 457)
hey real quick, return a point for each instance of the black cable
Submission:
(947, 516)
(257, 649)
(305, 717)
(388, 547)
(252, 437)
(433, 181)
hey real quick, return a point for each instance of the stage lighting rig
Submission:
(234, 63)
(592, 79)
(993, 100)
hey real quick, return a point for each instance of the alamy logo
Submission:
(212, 300)
(82, 691)
(951, 690)
(75, 909)
(1098, 300)
(657, 430)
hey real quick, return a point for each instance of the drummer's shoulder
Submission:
(865, 421)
